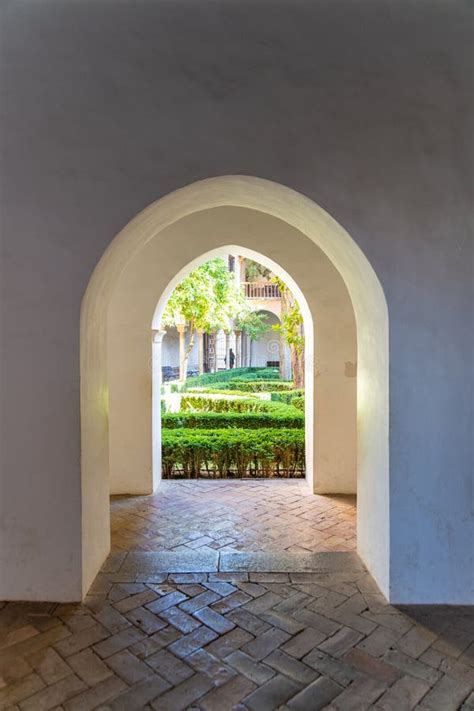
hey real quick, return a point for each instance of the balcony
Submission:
(261, 290)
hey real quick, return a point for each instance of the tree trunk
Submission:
(283, 311)
(201, 352)
(188, 350)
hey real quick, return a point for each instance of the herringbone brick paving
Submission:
(237, 640)
(261, 515)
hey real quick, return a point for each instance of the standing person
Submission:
(231, 358)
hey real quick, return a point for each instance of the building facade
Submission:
(269, 350)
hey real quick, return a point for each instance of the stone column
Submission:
(200, 335)
(227, 349)
(238, 349)
(242, 269)
(156, 407)
(182, 350)
(282, 355)
(245, 349)
(248, 350)
(212, 339)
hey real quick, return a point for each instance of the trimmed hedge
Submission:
(286, 397)
(221, 391)
(201, 403)
(292, 397)
(232, 452)
(298, 402)
(258, 386)
(225, 420)
(223, 376)
(254, 386)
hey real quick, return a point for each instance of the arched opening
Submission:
(264, 352)
(148, 485)
(323, 260)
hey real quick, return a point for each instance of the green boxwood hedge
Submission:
(258, 386)
(220, 391)
(201, 403)
(225, 420)
(298, 402)
(223, 376)
(244, 385)
(233, 452)
(288, 396)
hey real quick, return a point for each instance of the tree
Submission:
(254, 324)
(206, 300)
(255, 271)
(292, 330)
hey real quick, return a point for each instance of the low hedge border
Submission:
(288, 396)
(298, 402)
(257, 386)
(239, 452)
(227, 420)
(241, 385)
(223, 376)
(217, 391)
(201, 403)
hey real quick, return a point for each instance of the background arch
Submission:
(222, 251)
(371, 316)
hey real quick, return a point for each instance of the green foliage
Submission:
(208, 299)
(233, 452)
(255, 271)
(235, 436)
(226, 420)
(205, 299)
(291, 326)
(224, 390)
(258, 386)
(223, 376)
(255, 324)
(287, 397)
(197, 403)
(298, 402)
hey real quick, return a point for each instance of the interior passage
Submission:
(245, 516)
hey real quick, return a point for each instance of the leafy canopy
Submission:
(207, 298)
(291, 326)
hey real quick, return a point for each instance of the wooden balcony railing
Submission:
(261, 290)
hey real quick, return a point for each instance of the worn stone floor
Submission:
(243, 515)
(170, 627)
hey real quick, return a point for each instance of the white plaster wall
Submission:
(272, 305)
(267, 347)
(170, 350)
(107, 107)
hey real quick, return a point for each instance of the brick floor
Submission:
(92, 656)
(262, 515)
(147, 638)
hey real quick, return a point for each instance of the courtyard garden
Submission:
(236, 423)
(233, 422)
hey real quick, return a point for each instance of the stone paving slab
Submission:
(146, 563)
(191, 561)
(283, 562)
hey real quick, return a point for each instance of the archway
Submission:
(150, 482)
(305, 218)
